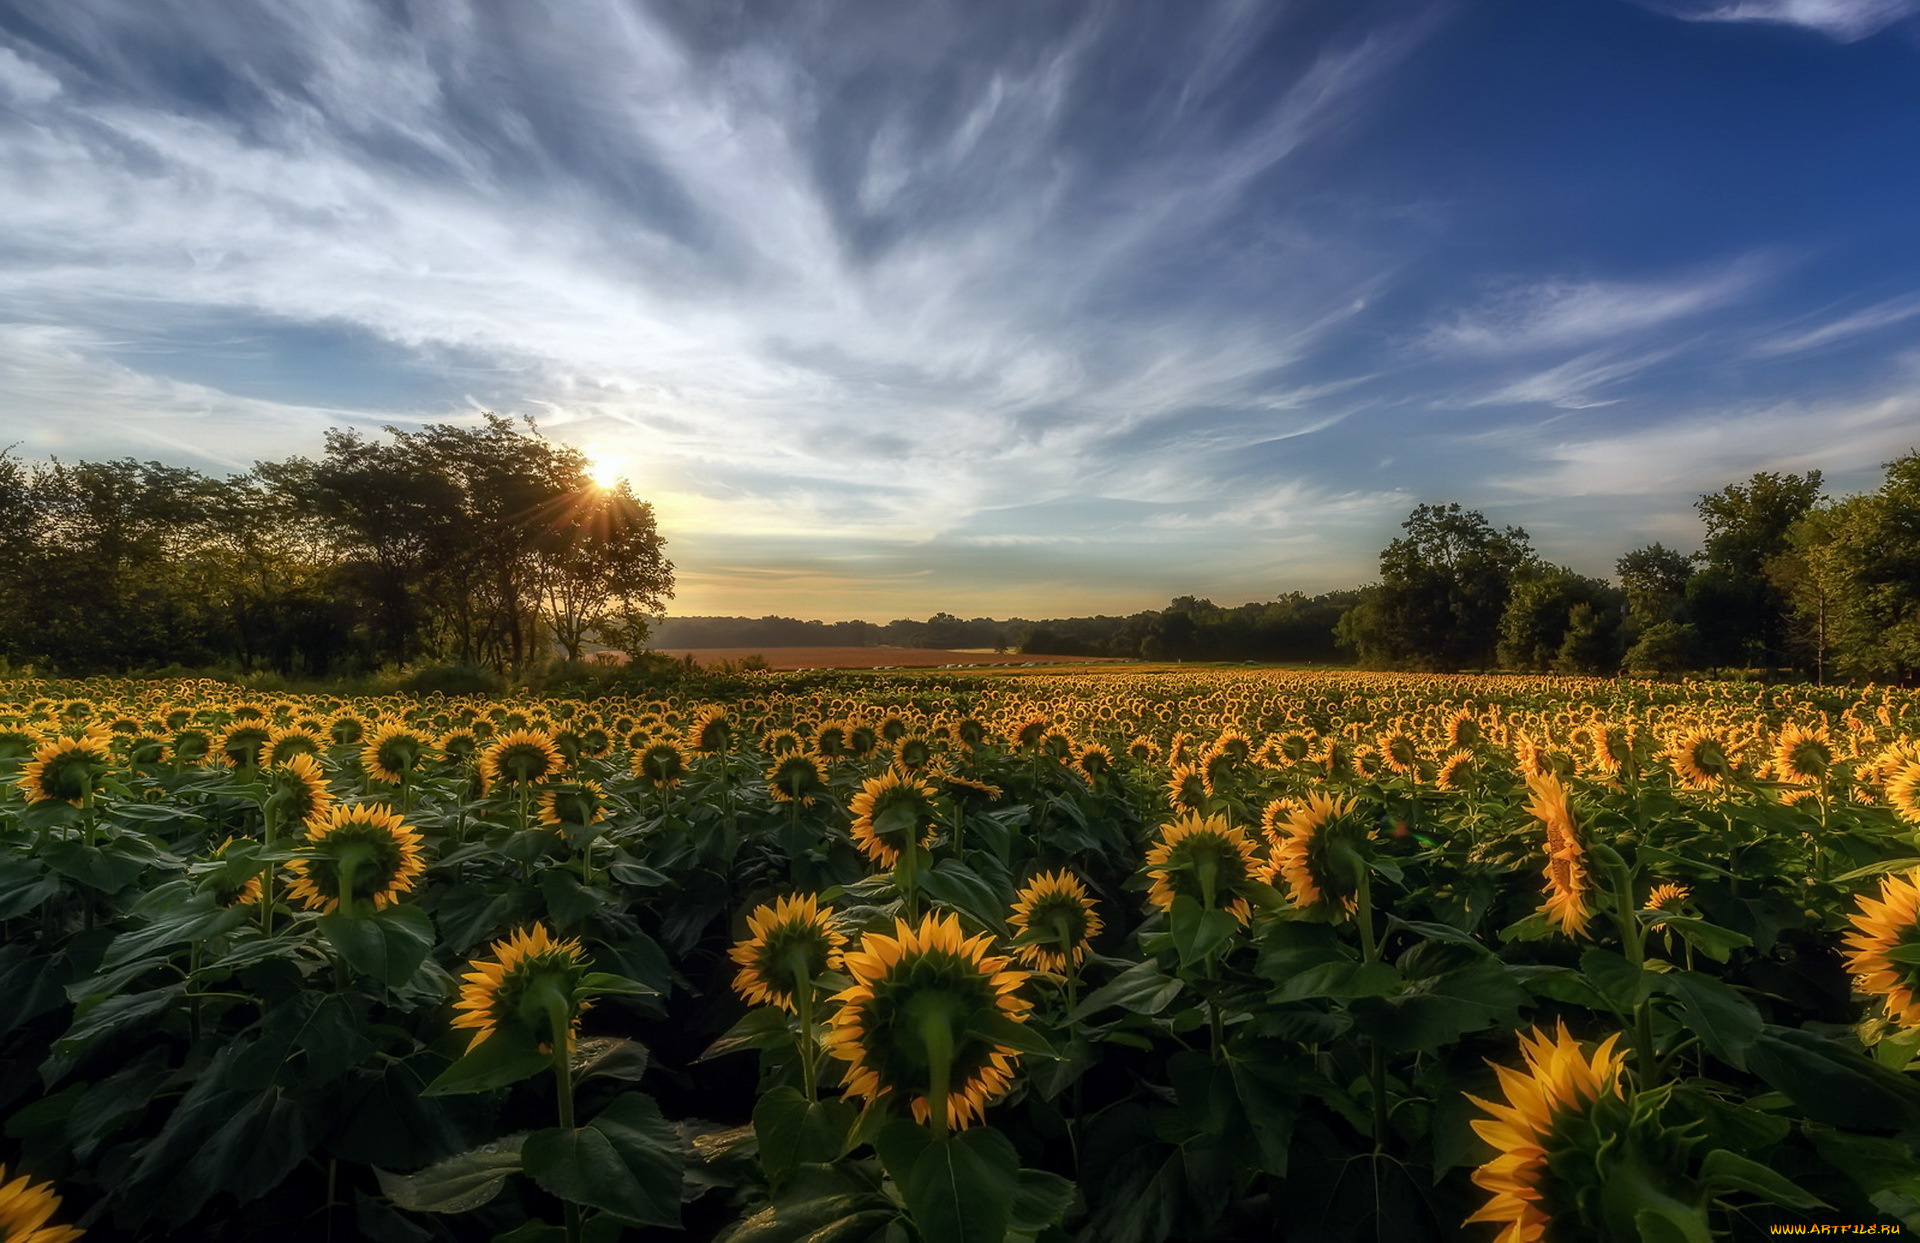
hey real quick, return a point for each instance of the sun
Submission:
(603, 467)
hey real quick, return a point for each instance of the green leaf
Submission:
(260, 1144)
(1141, 989)
(568, 901)
(1726, 1022)
(1340, 980)
(627, 1161)
(1020, 1037)
(764, 1027)
(458, 1183)
(1621, 984)
(388, 945)
(508, 1056)
(1730, 1171)
(1833, 1083)
(792, 1131)
(1885, 1169)
(954, 884)
(100, 1020)
(609, 1057)
(961, 1188)
(1199, 932)
(1710, 939)
(1040, 1200)
(601, 984)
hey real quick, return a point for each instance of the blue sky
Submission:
(1003, 307)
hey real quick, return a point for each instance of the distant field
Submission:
(870, 657)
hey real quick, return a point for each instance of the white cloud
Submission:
(1844, 20)
(23, 80)
(1560, 312)
(1881, 315)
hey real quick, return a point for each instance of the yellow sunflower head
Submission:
(1880, 926)
(1457, 771)
(529, 984)
(357, 854)
(913, 752)
(1668, 897)
(1463, 731)
(68, 769)
(1559, 1085)
(1144, 749)
(1095, 762)
(301, 785)
(661, 764)
(1187, 789)
(1054, 922)
(24, 1209)
(579, 803)
(285, 742)
(711, 731)
(909, 1026)
(1566, 871)
(244, 743)
(1317, 849)
(1205, 859)
(1802, 756)
(520, 757)
(1903, 792)
(395, 752)
(788, 942)
(892, 812)
(1699, 758)
(796, 777)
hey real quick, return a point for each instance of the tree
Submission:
(1663, 648)
(1559, 620)
(1740, 613)
(600, 571)
(1853, 574)
(1654, 580)
(1443, 589)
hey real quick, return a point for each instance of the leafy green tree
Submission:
(1853, 574)
(1443, 589)
(1664, 648)
(1654, 581)
(1740, 613)
(1562, 621)
(600, 570)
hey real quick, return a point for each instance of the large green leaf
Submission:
(792, 1131)
(458, 1183)
(954, 884)
(508, 1056)
(958, 1188)
(1199, 932)
(1832, 1082)
(627, 1161)
(1141, 989)
(388, 945)
(1726, 1022)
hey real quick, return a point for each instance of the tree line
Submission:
(1786, 581)
(485, 546)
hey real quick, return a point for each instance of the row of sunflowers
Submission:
(1127, 956)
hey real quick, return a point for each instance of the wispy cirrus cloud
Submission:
(1559, 312)
(1847, 327)
(1845, 20)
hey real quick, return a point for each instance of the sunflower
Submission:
(782, 742)
(368, 851)
(1882, 926)
(301, 784)
(1903, 792)
(662, 763)
(191, 745)
(521, 757)
(346, 729)
(24, 1209)
(1700, 760)
(1187, 788)
(1204, 859)
(1456, 771)
(831, 739)
(395, 752)
(909, 1025)
(227, 894)
(1566, 871)
(862, 740)
(1094, 761)
(458, 746)
(890, 811)
(243, 743)
(1559, 1084)
(1669, 898)
(913, 752)
(791, 940)
(1054, 922)
(68, 768)
(1802, 756)
(796, 777)
(1144, 749)
(711, 731)
(1301, 848)
(1401, 752)
(529, 976)
(1611, 747)
(573, 802)
(284, 743)
(1463, 731)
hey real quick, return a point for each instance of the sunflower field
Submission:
(1121, 955)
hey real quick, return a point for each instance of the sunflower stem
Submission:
(936, 1033)
(1633, 939)
(803, 1006)
(560, 1026)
